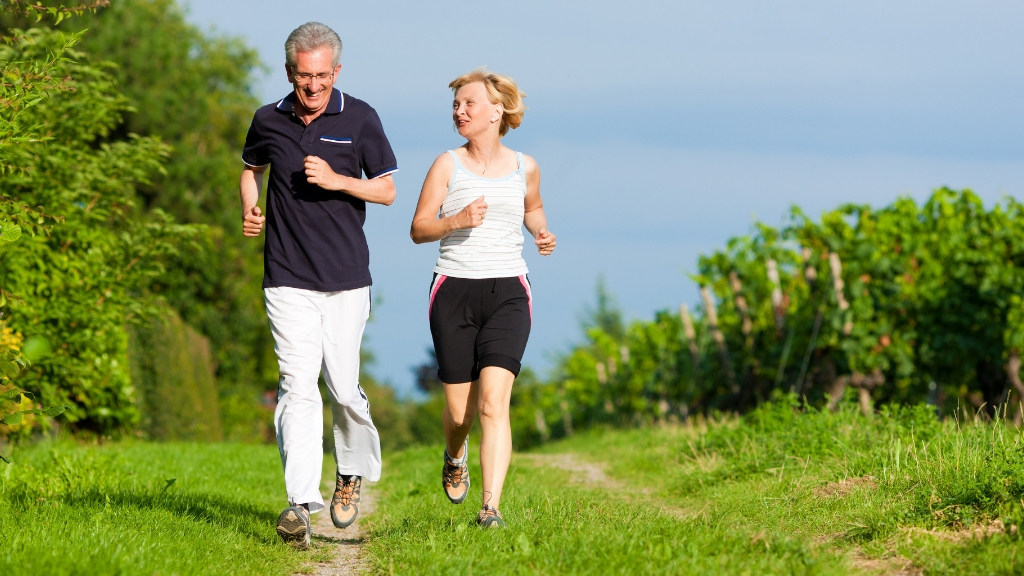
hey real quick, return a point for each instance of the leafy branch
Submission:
(58, 13)
(17, 396)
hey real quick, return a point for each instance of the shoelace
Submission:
(453, 473)
(488, 512)
(347, 491)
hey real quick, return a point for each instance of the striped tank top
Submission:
(495, 248)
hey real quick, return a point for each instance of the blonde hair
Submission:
(502, 90)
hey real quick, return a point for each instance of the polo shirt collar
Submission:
(334, 106)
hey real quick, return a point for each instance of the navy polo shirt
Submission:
(315, 237)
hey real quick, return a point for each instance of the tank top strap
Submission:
(522, 163)
(458, 165)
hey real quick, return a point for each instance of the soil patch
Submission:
(844, 487)
(344, 545)
(979, 532)
(894, 566)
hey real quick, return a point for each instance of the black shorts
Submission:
(477, 323)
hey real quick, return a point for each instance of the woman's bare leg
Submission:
(460, 408)
(494, 394)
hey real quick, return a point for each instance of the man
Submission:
(316, 269)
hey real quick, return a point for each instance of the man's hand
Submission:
(252, 222)
(545, 242)
(473, 215)
(319, 172)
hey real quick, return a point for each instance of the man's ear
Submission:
(288, 71)
(337, 70)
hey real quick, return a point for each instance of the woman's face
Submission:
(473, 112)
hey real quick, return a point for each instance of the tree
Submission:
(74, 284)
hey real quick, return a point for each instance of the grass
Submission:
(111, 509)
(780, 491)
(777, 492)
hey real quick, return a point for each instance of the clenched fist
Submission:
(473, 215)
(545, 242)
(252, 222)
(319, 172)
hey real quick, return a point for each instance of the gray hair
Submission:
(310, 37)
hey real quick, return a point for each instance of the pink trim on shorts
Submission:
(529, 294)
(433, 292)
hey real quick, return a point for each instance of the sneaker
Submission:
(455, 477)
(345, 504)
(293, 527)
(490, 517)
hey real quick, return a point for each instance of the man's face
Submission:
(313, 78)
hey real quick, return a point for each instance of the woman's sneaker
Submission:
(293, 527)
(345, 504)
(490, 517)
(455, 476)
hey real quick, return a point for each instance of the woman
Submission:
(475, 200)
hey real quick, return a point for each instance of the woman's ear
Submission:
(499, 111)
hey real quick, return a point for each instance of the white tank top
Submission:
(495, 248)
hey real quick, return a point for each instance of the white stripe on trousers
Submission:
(314, 331)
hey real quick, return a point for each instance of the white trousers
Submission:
(314, 331)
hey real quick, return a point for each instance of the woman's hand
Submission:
(473, 215)
(545, 242)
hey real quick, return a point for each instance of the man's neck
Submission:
(307, 115)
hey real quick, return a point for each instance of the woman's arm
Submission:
(426, 226)
(534, 219)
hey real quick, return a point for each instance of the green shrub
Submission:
(172, 372)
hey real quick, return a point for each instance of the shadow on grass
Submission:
(242, 518)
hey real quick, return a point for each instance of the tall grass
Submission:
(944, 495)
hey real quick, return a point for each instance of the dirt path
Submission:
(581, 471)
(345, 546)
(592, 474)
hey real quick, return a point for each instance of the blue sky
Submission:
(664, 128)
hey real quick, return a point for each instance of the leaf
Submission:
(10, 232)
(10, 394)
(4, 459)
(170, 482)
(53, 411)
(11, 419)
(9, 369)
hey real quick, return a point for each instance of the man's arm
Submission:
(377, 190)
(249, 186)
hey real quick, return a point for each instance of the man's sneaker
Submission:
(345, 504)
(455, 477)
(490, 517)
(293, 527)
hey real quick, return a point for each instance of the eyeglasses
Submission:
(304, 78)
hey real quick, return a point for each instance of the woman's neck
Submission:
(484, 149)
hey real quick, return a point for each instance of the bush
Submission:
(172, 372)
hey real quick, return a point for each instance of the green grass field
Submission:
(776, 492)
